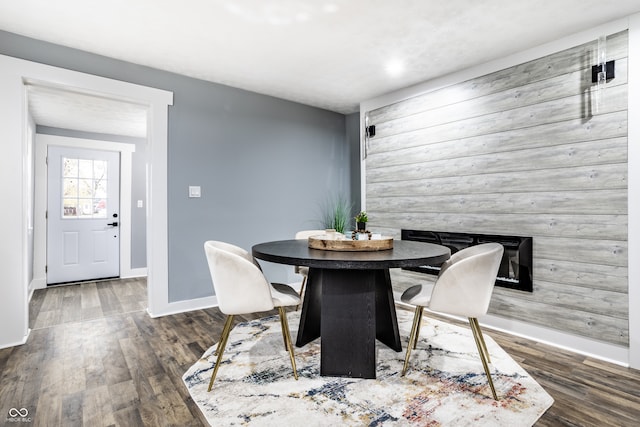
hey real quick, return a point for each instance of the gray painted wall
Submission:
(264, 164)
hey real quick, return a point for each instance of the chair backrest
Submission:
(236, 250)
(466, 281)
(239, 284)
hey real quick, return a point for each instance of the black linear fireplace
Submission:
(515, 270)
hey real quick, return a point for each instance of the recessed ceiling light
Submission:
(302, 17)
(395, 67)
(330, 8)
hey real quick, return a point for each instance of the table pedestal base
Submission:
(349, 310)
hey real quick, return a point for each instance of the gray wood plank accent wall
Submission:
(522, 151)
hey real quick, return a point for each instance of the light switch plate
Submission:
(140, 203)
(194, 191)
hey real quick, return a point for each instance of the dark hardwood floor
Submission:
(95, 358)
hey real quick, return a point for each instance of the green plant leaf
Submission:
(336, 213)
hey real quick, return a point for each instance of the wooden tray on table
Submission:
(328, 243)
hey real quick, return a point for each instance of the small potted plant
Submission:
(335, 214)
(361, 221)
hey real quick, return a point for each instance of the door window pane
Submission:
(70, 208)
(99, 168)
(85, 168)
(70, 167)
(84, 188)
(70, 188)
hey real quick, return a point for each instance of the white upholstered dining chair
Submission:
(242, 288)
(463, 288)
(301, 270)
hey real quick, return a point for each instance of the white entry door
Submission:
(83, 239)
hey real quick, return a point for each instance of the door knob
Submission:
(114, 224)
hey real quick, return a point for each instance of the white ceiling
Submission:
(331, 54)
(64, 109)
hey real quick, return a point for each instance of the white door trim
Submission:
(17, 158)
(40, 206)
(633, 180)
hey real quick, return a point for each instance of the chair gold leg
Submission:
(481, 336)
(413, 338)
(415, 342)
(287, 339)
(227, 324)
(304, 281)
(220, 350)
(284, 332)
(477, 335)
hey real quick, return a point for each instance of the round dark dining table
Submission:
(348, 301)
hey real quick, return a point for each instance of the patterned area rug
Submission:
(445, 384)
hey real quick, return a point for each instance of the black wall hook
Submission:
(370, 131)
(596, 69)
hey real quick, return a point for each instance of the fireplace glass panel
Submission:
(515, 270)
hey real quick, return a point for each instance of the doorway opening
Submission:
(18, 245)
(59, 247)
(71, 119)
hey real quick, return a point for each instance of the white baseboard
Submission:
(37, 283)
(184, 306)
(134, 272)
(567, 341)
(21, 342)
(588, 347)
(41, 283)
(564, 340)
